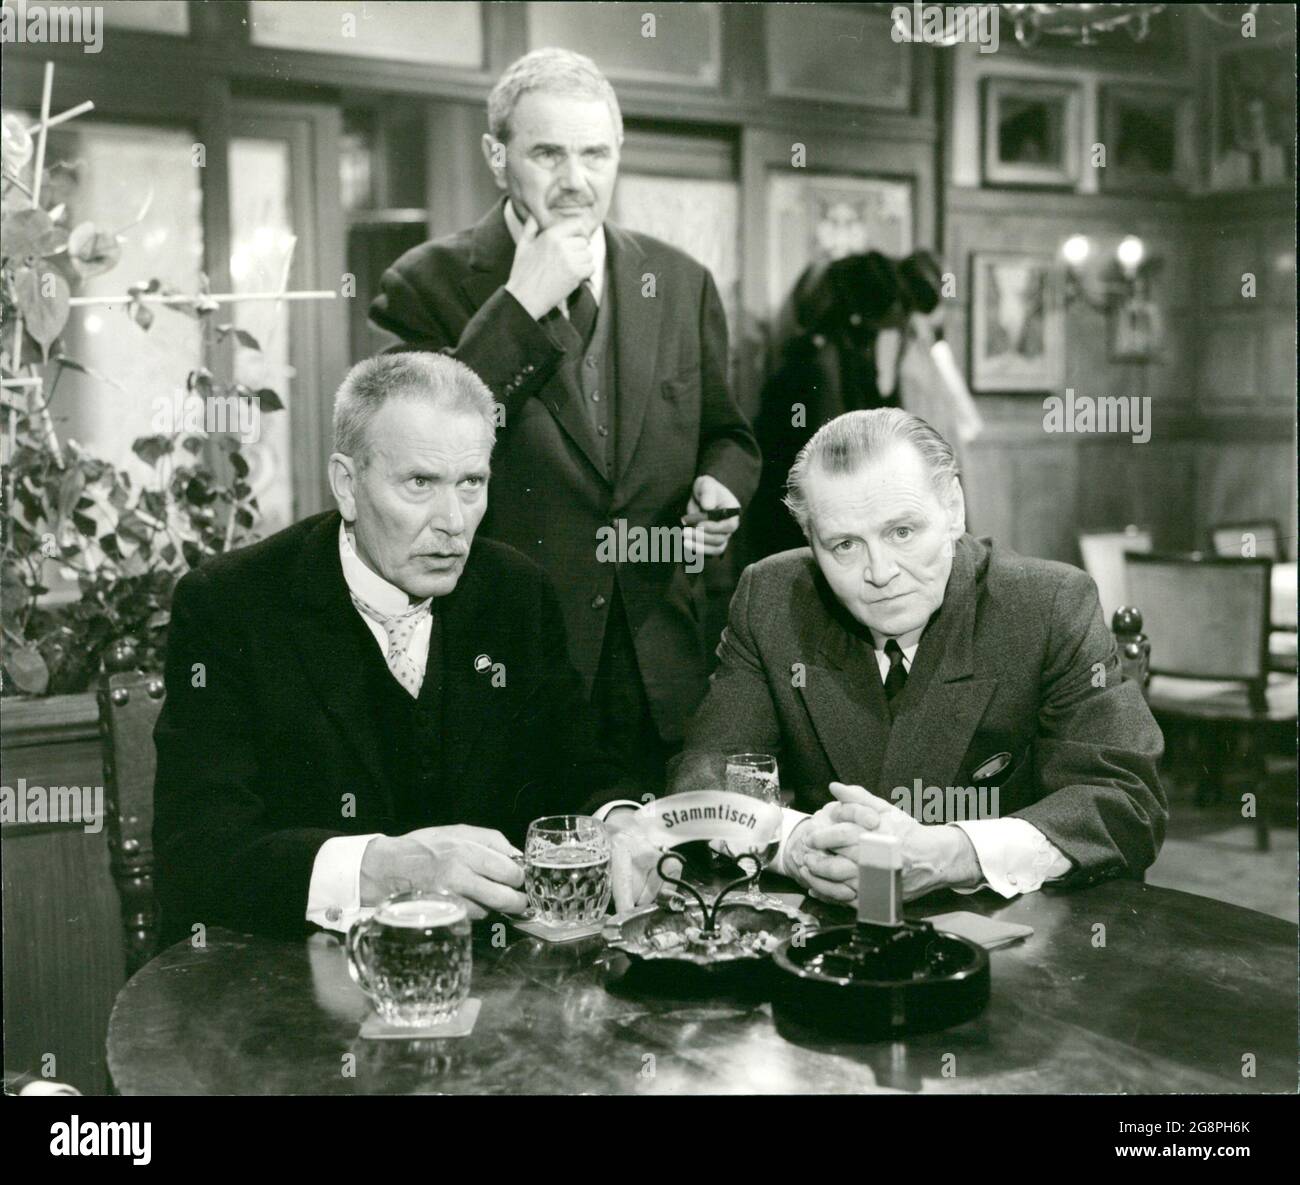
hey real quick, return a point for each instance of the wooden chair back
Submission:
(1207, 616)
(129, 704)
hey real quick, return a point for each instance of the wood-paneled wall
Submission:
(1222, 388)
(62, 926)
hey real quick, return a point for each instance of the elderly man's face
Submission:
(884, 539)
(417, 497)
(561, 160)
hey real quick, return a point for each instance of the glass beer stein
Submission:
(413, 957)
(566, 869)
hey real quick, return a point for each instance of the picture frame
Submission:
(1031, 133)
(1017, 324)
(1145, 131)
(837, 53)
(812, 217)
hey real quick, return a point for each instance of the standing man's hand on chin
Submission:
(549, 264)
(473, 863)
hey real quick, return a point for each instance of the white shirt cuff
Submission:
(1014, 855)
(334, 894)
(603, 812)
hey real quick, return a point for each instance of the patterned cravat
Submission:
(399, 629)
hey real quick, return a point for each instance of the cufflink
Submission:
(333, 913)
(483, 663)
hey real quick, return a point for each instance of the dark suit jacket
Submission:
(254, 764)
(1005, 666)
(674, 419)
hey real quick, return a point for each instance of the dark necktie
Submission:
(896, 680)
(582, 313)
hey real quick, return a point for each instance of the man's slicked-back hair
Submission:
(556, 71)
(843, 444)
(441, 380)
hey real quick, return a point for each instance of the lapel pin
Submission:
(483, 663)
(994, 765)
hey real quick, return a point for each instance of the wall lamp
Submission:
(1121, 292)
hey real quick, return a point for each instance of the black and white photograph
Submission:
(684, 551)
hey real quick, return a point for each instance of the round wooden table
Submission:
(1122, 987)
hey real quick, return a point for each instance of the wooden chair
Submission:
(1208, 621)
(1229, 539)
(129, 704)
(1103, 560)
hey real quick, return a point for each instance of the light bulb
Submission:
(1129, 253)
(1076, 249)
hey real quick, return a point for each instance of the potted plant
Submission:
(115, 544)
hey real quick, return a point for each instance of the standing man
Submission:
(607, 353)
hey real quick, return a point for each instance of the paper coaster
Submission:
(375, 1028)
(986, 932)
(549, 933)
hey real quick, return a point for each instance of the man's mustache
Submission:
(448, 548)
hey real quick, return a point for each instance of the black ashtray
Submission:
(870, 982)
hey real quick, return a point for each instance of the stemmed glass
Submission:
(755, 776)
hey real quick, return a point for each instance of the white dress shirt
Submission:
(334, 892)
(596, 281)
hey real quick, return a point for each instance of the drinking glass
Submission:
(566, 869)
(755, 776)
(413, 957)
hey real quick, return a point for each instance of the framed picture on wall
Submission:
(812, 217)
(1017, 324)
(838, 53)
(1144, 131)
(1031, 132)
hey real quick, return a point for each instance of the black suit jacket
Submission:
(1016, 669)
(674, 419)
(268, 746)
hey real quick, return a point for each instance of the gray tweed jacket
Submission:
(1016, 683)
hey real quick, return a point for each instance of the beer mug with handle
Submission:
(413, 957)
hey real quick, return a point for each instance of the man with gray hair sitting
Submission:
(370, 699)
(905, 673)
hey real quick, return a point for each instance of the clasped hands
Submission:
(480, 865)
(818, 852)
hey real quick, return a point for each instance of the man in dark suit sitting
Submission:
(918, 682)
(370, 699)
(607, 350)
